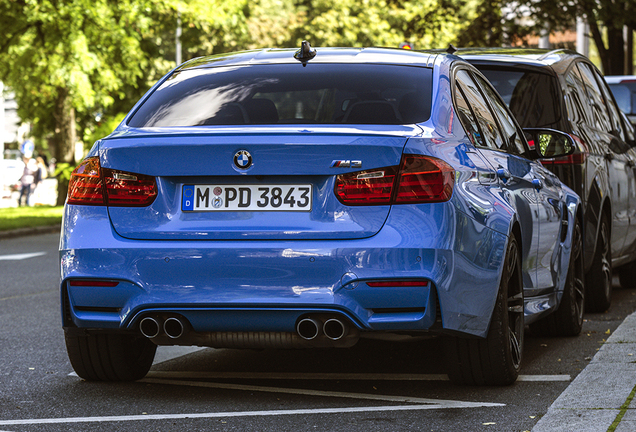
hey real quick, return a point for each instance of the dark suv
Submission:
(563, 90)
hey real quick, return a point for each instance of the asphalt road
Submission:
(374, 386)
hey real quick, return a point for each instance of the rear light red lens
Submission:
(92, 185)
(127, 189)
(424, 179)
(366, 187)
(386, 284)
(85, 186)
(419, 179)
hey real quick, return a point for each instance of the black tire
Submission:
(598, 286)
(110, 357)
(627, 276)
(567, 320)
(495, 360)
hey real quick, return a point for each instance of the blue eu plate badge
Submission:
(187, 203)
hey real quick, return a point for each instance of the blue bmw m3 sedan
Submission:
(309, 198)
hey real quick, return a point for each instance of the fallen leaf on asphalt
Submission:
(489, 423)
(608, 331)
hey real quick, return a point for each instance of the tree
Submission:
(425, 23)
(611, 15)
(68, 61)
(484, 27)
(68, 55)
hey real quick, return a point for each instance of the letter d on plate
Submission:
(187, 200)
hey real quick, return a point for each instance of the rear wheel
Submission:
(567, 320)
(599, 278)
(110, 357)
(495, 360)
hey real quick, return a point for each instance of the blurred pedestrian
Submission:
(30, 176)
(44, 167)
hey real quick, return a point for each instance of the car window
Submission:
(288, 94)
(614, 114)
(623, 97)
(576, 97)
(599, 110)
(511, 132)
(467, 118)
(531, 96)
(487, 124)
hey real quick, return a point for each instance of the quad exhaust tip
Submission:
(173, 327)
(334, 329)
(149, 327)
(308, 328)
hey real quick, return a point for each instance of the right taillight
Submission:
(92, 185)
(418, 179)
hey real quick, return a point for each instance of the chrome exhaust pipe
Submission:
(308, 328)
(334, 329)
(149, 327)
(173, 328)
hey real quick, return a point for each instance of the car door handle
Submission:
(609, 156)
(538, 184)
(503, 174)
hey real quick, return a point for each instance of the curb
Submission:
(22, 232)
(600, 395)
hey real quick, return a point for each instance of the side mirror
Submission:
(549, 143)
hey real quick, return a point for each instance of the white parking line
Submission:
(438, 402)
(219, 415)
(331, 376)
(19, 257)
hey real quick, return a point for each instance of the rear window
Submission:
(532, 97)
(289, 94)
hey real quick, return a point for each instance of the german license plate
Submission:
(246, 197)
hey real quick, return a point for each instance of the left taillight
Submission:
(92, 185)
(418, 179)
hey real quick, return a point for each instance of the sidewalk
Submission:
(21, 232)
(602, 395)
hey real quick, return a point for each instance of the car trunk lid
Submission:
(204, 193)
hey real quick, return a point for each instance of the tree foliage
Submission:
(603, 16)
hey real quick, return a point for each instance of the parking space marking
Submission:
(332, 376)
(438, 402)
(219, 415)
(167, 353)
(19, 257)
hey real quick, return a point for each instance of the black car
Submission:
(563, 90)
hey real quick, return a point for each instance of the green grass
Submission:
(24, 217)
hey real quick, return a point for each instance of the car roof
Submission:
(519, 56)
(323, 55)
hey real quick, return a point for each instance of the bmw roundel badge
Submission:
(243, 159)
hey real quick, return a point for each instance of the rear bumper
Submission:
(269, 286)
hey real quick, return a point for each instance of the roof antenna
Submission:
(305, 53)
(451, 49)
